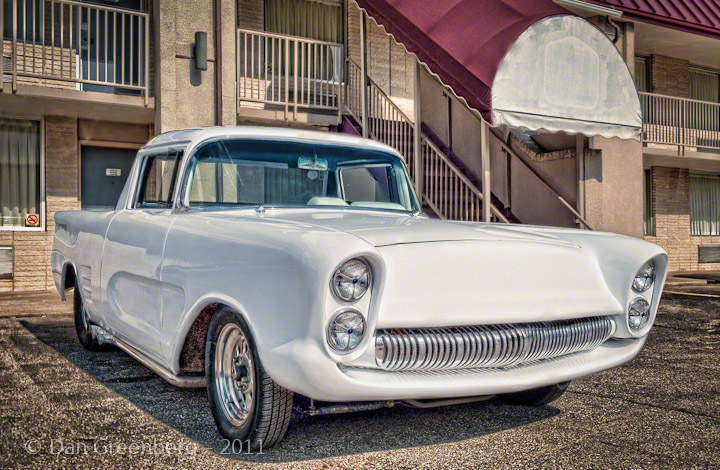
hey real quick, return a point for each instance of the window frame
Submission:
(182, 195)
(42, 226)
(690, 198)
(141, 180)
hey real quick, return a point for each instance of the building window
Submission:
(20, 174)
(313, 19)
(649, 217)
(29, 20)
(643, 74)
(704, 205)
(704, 85)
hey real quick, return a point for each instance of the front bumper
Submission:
(303, 367)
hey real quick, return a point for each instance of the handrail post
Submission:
(13, 50)
(485, 169)
(287, 76)
(417, 130)
(147, 58)
(295, 79)
(684, 125)
(363, 74)
(2, 49)
(580, 159)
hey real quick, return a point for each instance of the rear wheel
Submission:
(537, 396)
(248, 406)
(82, 325)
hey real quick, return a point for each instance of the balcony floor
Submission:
(40, 100)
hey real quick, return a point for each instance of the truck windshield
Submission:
(253, 173)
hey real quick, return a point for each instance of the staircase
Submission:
(449, 189)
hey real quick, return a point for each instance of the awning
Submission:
(525, 63)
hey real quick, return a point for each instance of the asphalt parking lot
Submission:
(63, 407)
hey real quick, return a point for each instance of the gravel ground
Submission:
(63, 407)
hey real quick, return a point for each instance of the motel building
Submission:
(599, 115)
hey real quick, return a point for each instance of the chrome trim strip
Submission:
(500, 345)
(105, 337)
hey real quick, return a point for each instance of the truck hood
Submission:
(384, 229)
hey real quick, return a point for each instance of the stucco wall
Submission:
(186, 96)
(613, 186)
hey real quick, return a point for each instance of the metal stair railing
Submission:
(509, 151)
(447, 191)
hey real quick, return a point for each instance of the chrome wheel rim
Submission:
(234, 374)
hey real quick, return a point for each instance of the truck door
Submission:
(132, 256)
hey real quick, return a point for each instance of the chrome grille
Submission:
(499, 345)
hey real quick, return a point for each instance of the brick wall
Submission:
(670, 76)
(251, 14)
(671, 206)
(32, 248)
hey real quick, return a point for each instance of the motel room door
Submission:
(103, 172)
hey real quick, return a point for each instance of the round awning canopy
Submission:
(525, 63)
(564, 74)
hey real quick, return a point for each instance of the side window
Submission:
(367, 183)
(158, 180)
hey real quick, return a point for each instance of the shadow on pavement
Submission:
(308, 437)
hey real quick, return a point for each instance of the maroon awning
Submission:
(462, 41)
(692, 16)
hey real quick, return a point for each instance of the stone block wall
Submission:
(42, 60)
(32, 248)
(389, 64)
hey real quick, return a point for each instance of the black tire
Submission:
(270, 409)
(537, 396)
(82, 326)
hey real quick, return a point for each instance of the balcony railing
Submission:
(291, 72)
(685, 123)
(73, 45)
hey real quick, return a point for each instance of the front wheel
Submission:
(537, 396)
(248, 406)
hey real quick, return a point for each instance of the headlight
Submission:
(345, 330)
(644, 278)
(638, 313)
(351, 280)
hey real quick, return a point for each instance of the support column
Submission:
(580, 159)
(485, 169)
(417, 132)
(228, 18)
(363, 74)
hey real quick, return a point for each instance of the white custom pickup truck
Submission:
(265, 264)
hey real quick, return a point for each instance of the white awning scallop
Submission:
(564, 74)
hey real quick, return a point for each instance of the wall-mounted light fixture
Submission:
(200, 50)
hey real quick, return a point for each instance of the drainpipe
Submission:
(218, 63)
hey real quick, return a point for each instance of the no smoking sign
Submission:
(32, 220)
